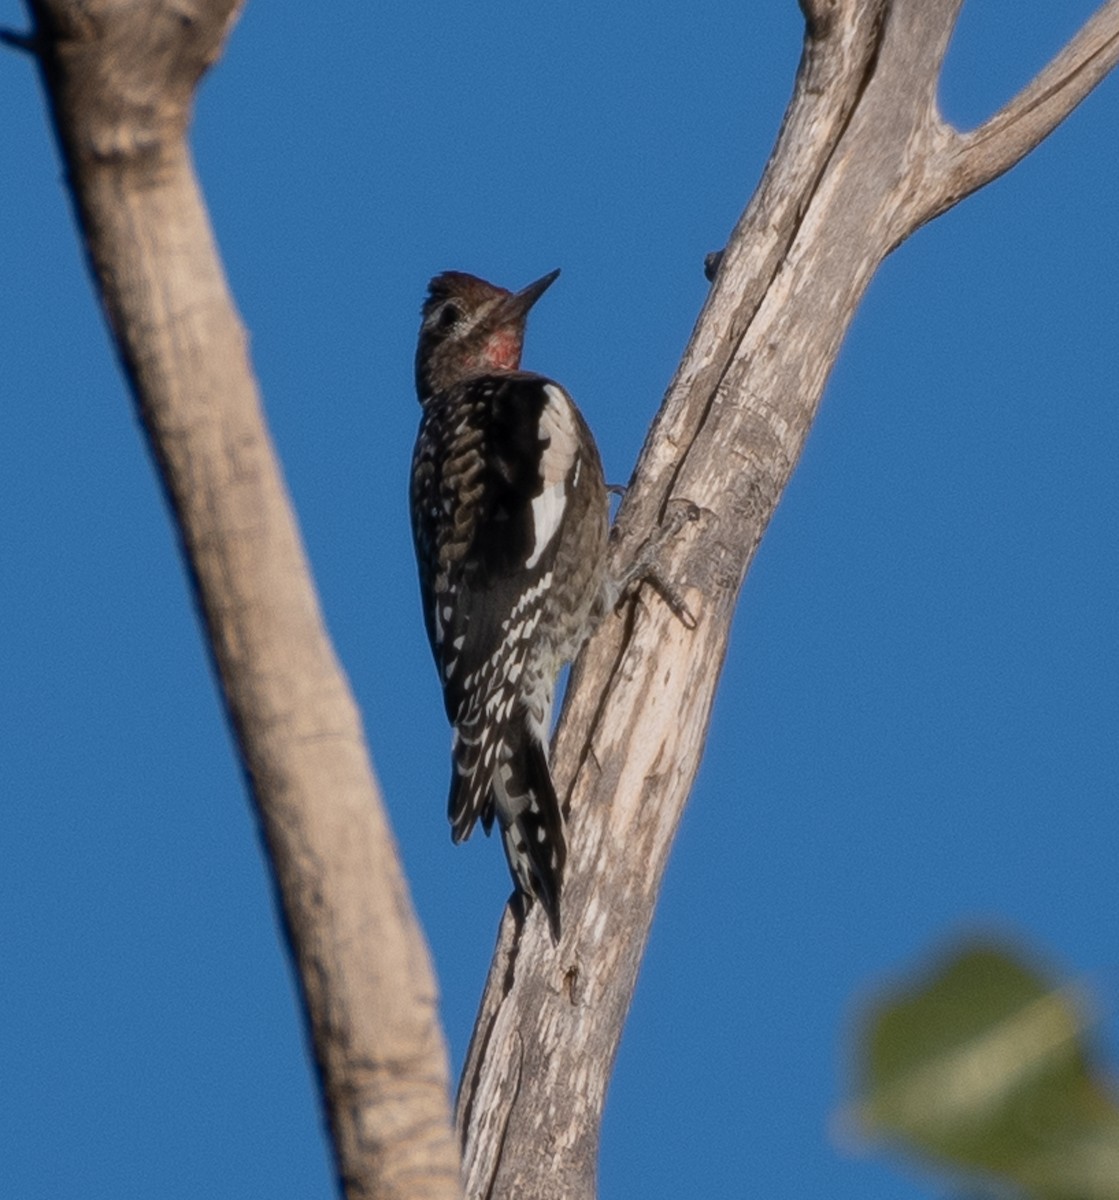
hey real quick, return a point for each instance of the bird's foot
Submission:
(645, 567)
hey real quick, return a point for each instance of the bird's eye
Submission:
(448, 316)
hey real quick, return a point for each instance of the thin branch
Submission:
(973, 159)
(27, 42)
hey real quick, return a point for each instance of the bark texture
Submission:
(863, 160)
(120, 76)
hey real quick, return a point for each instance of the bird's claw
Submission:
(645, 569)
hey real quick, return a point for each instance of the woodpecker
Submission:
(510, 517)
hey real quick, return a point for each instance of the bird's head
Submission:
(471, 327)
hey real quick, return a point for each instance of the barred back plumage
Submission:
(510, 516)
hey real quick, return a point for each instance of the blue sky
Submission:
(916, 731)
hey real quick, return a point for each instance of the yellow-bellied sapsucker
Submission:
(510, 518)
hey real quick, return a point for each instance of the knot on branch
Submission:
(819, 17)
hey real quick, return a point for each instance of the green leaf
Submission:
(983, 1064)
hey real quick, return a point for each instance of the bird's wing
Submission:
(495, 469)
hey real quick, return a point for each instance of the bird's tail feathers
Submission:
(509, 776)
(532, 825)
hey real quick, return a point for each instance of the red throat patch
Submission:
(503, 350)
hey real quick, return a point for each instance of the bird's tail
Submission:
(532, 827)
(520, 793)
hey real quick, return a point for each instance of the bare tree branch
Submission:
(856, 170)
(120, 79)
(973, 159)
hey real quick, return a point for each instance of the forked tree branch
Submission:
(975, 158)
(120, 78)
(863, 160)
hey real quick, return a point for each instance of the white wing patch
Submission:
(561, 451)
(547, 512)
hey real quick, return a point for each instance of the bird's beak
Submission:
(518, 304)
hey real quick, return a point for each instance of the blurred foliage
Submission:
(982, 1065)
